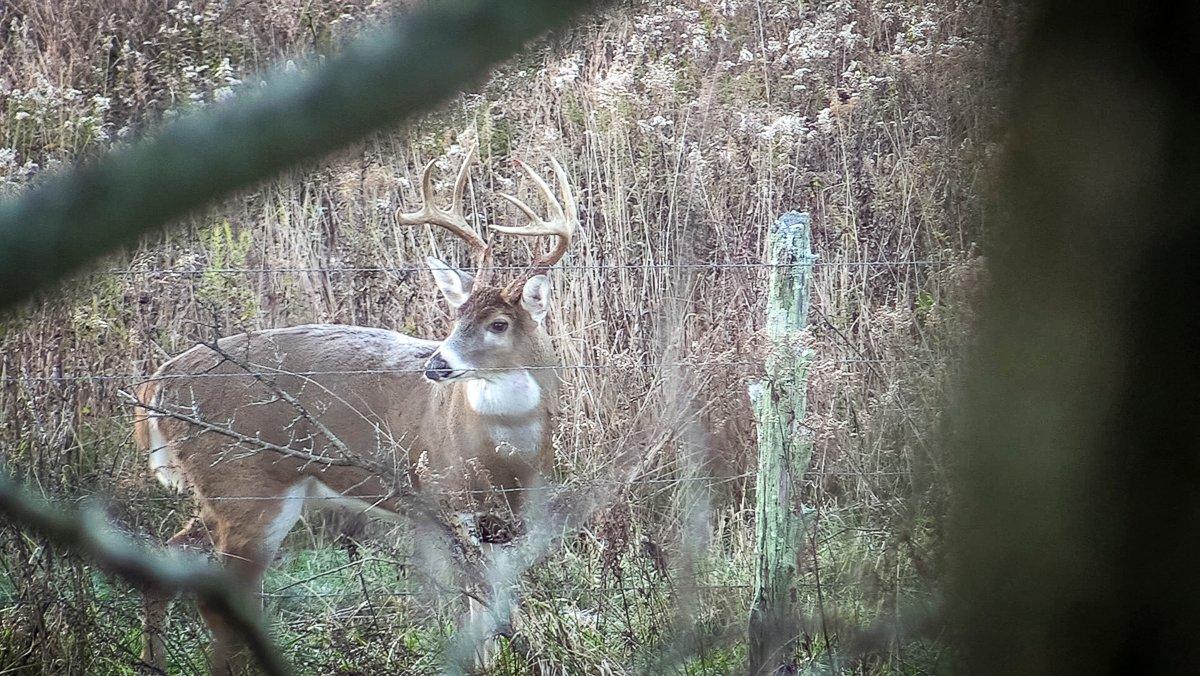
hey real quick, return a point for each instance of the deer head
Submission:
(497, 327)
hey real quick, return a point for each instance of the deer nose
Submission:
(437, 368)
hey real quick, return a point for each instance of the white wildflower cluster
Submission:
(748, 123)
(849, 38)
(786, 126)
(855, 81)
(45, 111)
(727, 8)
(825, 121)
(8, 165)
(226, 81)
(616, 83)
(646, 65)
(675, 28)
(186, 18)
(204, 72)
(651, 25)
(566, 72)
(917, 34)
(813, 46)
(657, 126)
(207, 83)
(660, 77)
(27, 171)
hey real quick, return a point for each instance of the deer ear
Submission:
(454, 283)
(535, 298)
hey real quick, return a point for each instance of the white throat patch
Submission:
(507, 394)
(515, 394)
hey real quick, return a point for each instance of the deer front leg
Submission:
(247, 537)
(195, 536)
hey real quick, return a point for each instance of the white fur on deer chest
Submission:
(164, 461)
(509, 401)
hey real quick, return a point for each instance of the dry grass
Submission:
(688, 127)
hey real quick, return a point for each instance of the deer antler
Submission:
(451, 219)
(561, 224)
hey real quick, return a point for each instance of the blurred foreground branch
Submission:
(86, 533)
(1078, 443)
(375, 82)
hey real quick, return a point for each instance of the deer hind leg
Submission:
(502, 617)
(487, 650)
(495, 614)
(247, 538)
(195, 536)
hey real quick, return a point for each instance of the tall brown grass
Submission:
(688, 128)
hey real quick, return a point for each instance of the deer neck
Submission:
(511, 409)
(506, 394)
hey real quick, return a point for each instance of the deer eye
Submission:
(498, 326)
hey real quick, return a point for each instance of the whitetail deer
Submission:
(256, 424)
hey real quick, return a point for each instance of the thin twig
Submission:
(258, 444)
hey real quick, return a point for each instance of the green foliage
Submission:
(227, 249)
(499, 137)
(925, 303)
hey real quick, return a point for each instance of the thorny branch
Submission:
(414, 505)
(255, 442)
(301, 410)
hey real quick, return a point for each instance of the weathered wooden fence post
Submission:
(784, 447)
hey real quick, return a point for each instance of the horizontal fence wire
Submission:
(134, 377)
(595, 588)
(283, 593)
(598, 267)
(667, 587)
(710, 480)
(577, 589)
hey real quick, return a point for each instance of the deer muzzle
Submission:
(438, 369)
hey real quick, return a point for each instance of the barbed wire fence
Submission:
(295, 592)
(72, 218)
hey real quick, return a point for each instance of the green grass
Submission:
(580, 611)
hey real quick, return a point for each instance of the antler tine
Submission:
(561, 223)
(460, 181)
(451, 219)
(564, 189)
